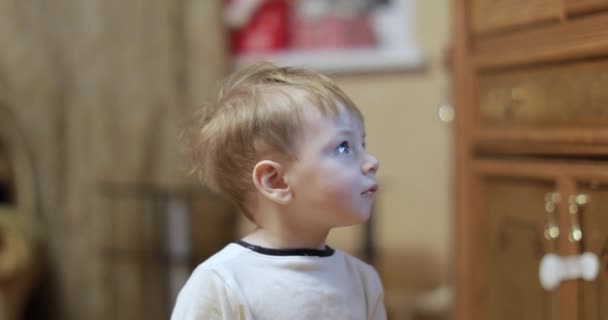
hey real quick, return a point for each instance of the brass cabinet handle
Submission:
(552, 227)
(576, 202)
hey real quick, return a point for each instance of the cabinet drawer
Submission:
(491, 15)
(585, 6)
(567, 95)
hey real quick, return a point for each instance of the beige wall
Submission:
(413, 146)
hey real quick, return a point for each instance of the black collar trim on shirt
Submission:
(287, 252)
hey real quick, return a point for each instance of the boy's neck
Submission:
(280, 228)
(280, 238)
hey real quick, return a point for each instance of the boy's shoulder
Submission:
(225, 256)
(366, 269)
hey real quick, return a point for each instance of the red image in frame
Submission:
(257, 26)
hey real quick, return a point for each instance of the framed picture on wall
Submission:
(327, 35)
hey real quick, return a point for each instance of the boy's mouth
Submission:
(371, 190)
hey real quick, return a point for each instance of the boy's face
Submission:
(333, 178)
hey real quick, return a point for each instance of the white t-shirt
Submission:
(248, 282)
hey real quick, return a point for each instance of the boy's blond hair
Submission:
(257, 113)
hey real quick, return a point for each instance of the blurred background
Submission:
(98, 218)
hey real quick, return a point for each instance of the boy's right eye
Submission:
(344, 147)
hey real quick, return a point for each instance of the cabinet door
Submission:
(594, 225)
(517, 214)
(491, 15)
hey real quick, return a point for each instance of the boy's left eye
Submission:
(344, 147)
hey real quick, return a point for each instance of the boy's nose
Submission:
(370, 165)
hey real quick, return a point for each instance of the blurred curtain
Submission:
(100, 89)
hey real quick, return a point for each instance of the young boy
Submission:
(288, 147)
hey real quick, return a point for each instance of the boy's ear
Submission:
(268, 178)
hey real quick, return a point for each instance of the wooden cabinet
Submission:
(530, 91)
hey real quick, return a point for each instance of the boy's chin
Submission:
(354, 219)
